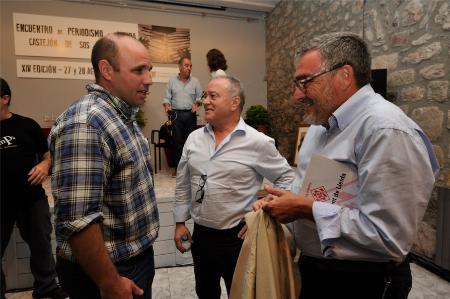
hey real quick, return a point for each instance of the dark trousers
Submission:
(353, 279)
(32, 218)
(215, 253)
(140, 269)
(184, 124)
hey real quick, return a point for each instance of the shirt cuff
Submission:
(181, 213)
(65, 229)
(327, 217)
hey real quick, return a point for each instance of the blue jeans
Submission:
(140, 269)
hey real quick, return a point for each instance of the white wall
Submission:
(242, 42)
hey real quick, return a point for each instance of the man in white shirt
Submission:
(220, 172)
(357, 251)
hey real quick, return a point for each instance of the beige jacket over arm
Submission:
(265, 268)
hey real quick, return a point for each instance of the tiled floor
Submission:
(178, 282)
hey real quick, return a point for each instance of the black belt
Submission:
(182, 110)
(352, 266)
(209, 230)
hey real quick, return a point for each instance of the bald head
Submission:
(107, 48)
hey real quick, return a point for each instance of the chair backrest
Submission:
(155, 137)
(165, 133)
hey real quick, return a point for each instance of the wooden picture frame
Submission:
(301, 132)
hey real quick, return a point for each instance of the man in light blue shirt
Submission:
(220, 172)
(183, 96)
(355, 251)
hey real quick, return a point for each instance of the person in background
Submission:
(25, 164)
(183, 97)
(220, 172)
(106, 213)
(356, 251)
(216, 62)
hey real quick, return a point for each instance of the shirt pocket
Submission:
(218, 204)
(220, 194)
(191, 91)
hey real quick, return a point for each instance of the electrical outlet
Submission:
(47, 118)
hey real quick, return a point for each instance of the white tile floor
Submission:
(178, 282)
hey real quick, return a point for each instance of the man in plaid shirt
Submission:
(106, 214)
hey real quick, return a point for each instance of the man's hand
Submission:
(122, 288)
(194, 107)
(261, 202)
(287, 206)
(180, 231)
(39, 173)
(167, 107)
(243, 232)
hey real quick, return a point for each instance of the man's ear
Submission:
(105, 69)
(235, 102)
(346, 76)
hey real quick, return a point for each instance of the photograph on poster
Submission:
(300, 136)
(165, 44)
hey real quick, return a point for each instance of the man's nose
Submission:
(148, 78)
(297, 94)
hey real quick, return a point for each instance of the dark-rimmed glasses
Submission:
(201, 191)
(301, 83)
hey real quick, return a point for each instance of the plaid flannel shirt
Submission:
(102, 174)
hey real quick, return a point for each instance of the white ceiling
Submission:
(252, 5)
(251, 9)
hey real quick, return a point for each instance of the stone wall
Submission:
(411, 38)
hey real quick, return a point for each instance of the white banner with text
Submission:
(27, 68)
(49, 36)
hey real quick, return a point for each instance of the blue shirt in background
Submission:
(182, 95)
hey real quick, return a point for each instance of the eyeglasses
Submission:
(201, 191)
(301, 83)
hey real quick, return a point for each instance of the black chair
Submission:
(158, 143)
(163, 138)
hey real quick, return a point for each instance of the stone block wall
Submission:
(411, 38)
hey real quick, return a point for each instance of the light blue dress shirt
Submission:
(235, 171)
(396, 170)
(182, 95)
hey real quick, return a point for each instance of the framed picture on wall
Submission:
(300, 136)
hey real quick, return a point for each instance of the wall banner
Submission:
(52, 69)
(49, 36)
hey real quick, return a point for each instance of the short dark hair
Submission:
(5, 90)
(106, 48)
(216, 60)
(182, 58)
(344, 47)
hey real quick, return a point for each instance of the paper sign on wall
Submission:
(49, 36)
(27, 68)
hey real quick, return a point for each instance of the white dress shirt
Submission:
(235, 171)
(396, 170)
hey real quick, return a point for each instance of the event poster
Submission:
(73, 38)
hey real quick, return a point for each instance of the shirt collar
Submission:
(347, 111)
(126, 112)
(179, 78)
(240, 127)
